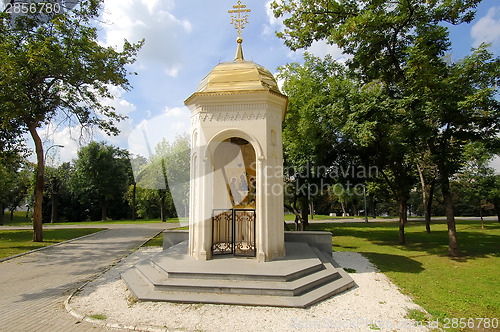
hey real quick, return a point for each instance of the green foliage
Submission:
(164, 180)
(156, 241)
(443, 286)
(17, 242)
(100, 175)
(56, 69)
(15, 180)
(409, 101)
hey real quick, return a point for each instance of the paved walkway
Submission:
(33, 287)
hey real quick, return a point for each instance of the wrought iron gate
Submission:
(233, 232)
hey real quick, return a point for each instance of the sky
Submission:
(184, 41)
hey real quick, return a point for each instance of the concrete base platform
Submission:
(301, 278)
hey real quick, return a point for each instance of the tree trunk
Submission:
(40, 170)
(133, 202)
(355, 207)
(53, 215)
(481, 215)
(162, 209)
(450, 218)
(305, 212)
(373, 207)
(311, 209)
(292, 208)
(2, 213)
(497, 209)
(12, 216)
(344, 212)
(104, 209)
(402, 219)
(428, 207)
(426, 198)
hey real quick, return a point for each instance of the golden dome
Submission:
(238, 75)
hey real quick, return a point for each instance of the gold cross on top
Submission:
(239, 21)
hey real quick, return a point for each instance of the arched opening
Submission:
(234, 197)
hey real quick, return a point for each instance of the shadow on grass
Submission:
(473, 241)
(394, 263)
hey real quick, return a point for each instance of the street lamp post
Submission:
(53, 214)
(47, 152)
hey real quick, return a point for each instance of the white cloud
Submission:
(148, 133)
(73, 136)
(273, 21)
(487, 29)
(318, 48)
(120, 105)
(173, 71)
(321, 49)
(150, 19)
(70, 138)
(495, 164)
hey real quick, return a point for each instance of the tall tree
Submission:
(398, 47)
(56, 180)
(346, 123)
(100, 172)
(54, 68)
(15, 177)
(165, 177)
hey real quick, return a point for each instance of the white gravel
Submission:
(374, 304)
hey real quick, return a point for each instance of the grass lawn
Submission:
(20, 220)
(157, 241)
(291, 217)
(466, 287)
(16, 242)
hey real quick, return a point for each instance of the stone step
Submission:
(232, 275)
(305, 262)
(144, 292)
(162, 282)
(305, 276)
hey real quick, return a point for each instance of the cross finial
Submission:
(239, 21)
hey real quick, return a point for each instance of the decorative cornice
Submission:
(223, 113)
(228, 93)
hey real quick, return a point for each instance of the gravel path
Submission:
(374, 304)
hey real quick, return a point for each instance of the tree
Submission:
(15, 177)
(100, 173)
(427, 173)
(476, 176)
(54, 69)
(136, 163)
(399, 47)
(57, 179)
(165, 178)
(350, 123)
(493, 192)
(316, 153)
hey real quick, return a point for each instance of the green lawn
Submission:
(157, 241)
(291, 217)
(21, 220)
(467, 287)
(16, 242)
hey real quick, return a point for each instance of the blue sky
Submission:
(185, 39)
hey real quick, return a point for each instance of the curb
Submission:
(98, 322)
(51, 246)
